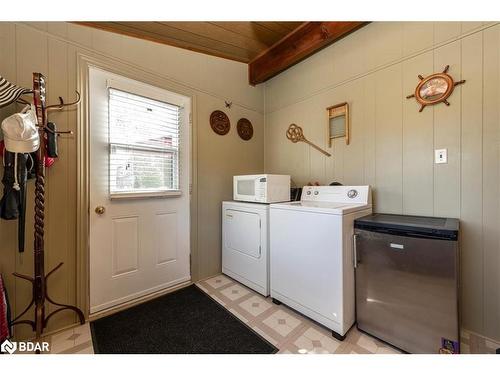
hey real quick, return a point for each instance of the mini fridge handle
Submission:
(355, 250)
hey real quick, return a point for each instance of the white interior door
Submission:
(139, 189)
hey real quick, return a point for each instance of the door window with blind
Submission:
(144, 145)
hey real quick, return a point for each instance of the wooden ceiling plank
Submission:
(217, 33)
(296, 46)
(128, 30)
(189, 37)
(251, 30)
(274, 27)
(185, 39)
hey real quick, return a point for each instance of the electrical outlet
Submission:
(441, 156)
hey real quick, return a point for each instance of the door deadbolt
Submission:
(99, 210)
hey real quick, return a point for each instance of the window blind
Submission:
(144, 141)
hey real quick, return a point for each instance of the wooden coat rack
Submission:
(39, 280)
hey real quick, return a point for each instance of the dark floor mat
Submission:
(182, 322)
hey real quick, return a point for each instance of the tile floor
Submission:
(75, 340)
(286, 329)
(289, 331)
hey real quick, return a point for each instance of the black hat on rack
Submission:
(9, 92)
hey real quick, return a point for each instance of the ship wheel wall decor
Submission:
(434, 89)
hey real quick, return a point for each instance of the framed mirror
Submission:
(338, 122)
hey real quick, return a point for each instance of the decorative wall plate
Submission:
(245, 129)
(220, 122)
(434, 89)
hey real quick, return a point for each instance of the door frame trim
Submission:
(84, 62)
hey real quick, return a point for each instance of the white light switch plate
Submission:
(441, 156)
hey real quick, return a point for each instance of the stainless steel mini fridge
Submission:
(407, 272)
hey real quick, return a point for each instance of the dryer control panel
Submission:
(338, 194)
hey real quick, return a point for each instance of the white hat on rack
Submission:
(20, 132)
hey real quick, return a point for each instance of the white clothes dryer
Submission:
(245, 244)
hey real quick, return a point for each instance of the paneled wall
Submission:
(52, 48)
(392, 144)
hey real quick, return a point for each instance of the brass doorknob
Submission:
(99, 210)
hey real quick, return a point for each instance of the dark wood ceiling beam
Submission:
(296, 46)
(290, 25)
(275, 27)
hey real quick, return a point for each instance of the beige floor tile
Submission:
(235, 292)
(315, 342)
(61, 345)
(306, 346)
(71, 340)
(62, 341)
(344, 348)
(282, 322)
(359, 350)
(256, 305)
(84, 334)
(367, 343)
(387, 350)
(82, 329)
(83, 347)
(62, 336)
(218, 281)
(327, 342)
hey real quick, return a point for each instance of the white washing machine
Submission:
(245, 244)
(311, 243)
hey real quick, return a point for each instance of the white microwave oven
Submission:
(261, 188)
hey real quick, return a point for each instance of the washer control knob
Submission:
(309, 192)
(316, 192)
(353, 193)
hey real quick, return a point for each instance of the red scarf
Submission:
(4, 324)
